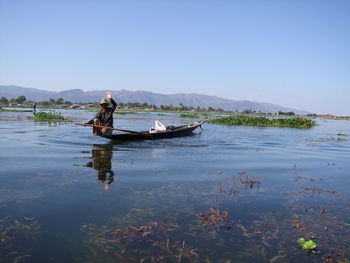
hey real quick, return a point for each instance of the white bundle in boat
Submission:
(158, 127)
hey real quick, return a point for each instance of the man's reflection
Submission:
(102, 162)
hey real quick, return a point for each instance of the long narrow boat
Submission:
(178, 131)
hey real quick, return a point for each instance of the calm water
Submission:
(225, 194)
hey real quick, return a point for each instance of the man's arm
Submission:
(92, 120)
(114, 104)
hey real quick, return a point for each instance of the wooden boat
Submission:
(178, 131)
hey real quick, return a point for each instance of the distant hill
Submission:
(187, 99)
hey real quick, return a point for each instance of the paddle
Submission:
(110, 128)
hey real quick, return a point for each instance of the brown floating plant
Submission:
(11, 230)
(213, 217)
(317, 190)
(145, 243)
(270, 237)
(240, 183)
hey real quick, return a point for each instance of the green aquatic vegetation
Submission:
(49, 116)
(125, 112)
(296, 122)
(160, 114)
(308, 245)
(301, 240)
(6, 110)
(189, 115)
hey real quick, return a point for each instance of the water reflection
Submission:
(102, 163)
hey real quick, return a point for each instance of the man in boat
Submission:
(104, 117)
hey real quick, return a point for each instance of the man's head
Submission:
(104, 103)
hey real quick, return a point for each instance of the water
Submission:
(225, 194)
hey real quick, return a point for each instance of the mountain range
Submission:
(187, 99)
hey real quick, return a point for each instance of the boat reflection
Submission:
(102, 163)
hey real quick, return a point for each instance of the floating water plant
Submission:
(125, 112)
(213, 217)
(189, 115)
(7, 110)
(297, 122)
(12, 230)
(312, 190)
(133, 244)
(49, 116)
(239, 183)
(308, 245)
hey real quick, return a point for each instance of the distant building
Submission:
(75, 106)
(150, 109)
(326, 116)
(88, 106)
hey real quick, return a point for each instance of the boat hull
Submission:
(179, 131)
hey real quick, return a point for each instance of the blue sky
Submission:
(292, 53)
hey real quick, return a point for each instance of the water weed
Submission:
(49, 116)
(189, 115)
(296, 122)
(125, 112)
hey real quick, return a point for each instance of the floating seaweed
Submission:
(11, 230)
(313, 190)
(325, 226)
(308, 245)
(213, 217)
(147, 243)
(234, 186)
(50, 116)
(298, 177)
(240, 120)
(249, 182)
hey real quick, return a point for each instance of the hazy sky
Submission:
(293, 53)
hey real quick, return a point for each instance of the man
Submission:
(104, 117)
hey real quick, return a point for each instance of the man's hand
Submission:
(109, 95)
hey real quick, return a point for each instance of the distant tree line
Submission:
(181, 107)
(136, 105)
(23, 101)
(289, 113)
(53, 102)
(18, 100)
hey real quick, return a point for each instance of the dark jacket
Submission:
(106, 118)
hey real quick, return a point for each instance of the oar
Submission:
(110, 128)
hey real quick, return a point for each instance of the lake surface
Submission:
(225, 194)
